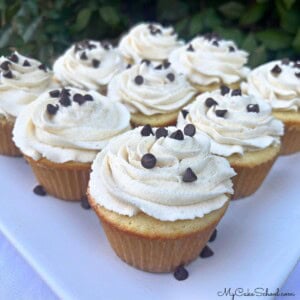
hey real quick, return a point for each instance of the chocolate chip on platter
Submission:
(206, 252)
(39, 190)
(181, 273)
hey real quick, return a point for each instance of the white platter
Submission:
(257, 245)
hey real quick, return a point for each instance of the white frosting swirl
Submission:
(74, 133)
(239, 130)
(156, 95)
(21, 82)
(281, 90)
(88, 65)
(210, 61)
(120, 183)
(148, 41)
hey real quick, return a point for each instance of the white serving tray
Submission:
(257, 245)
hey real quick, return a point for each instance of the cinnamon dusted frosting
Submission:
(69, 125)
(150, 90)
(170, 178)
(277, 82)
(210, 60)
(89, 65)
(148, 41)
(235, 123)
(22, 80)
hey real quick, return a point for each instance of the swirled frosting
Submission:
(69, 125)
(148, 41)
(121, 184)
(22, 80)
(210, 60)
(278, 82)
(89, 65)
(151, 90)
(235, 124)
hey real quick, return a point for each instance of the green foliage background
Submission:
(44, 29)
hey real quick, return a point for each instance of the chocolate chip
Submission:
(139, 80)
(171, 76)
(236, 92)
(206, 252)
(95, 63)
(78, 98)
(177, 135)
(276, 70)
(190, 48)
(146, 61)
(212, 35)
(39, 190)
(148, 161)
(297, 75)
(106, 45)
(189, 130)
(88, 97)
(296, 64)
(42, 67)
(285, 61)
(213, 236)
(253, 108)
(14, 58)
(166, 64)
(52, 109)
(209, 102)
(181, 273)
(184, 113)
(224, 90)
(159, 67)
(161, 132)
(231, 49)
(54, 93)
(189, 176)
(26, 63)
(221, 112)
(154, 30)
(215, 43)
(83, 56)
(147, 130)
(64, 100)
(5, 65)
(8, 74)
(128, 66)
(84, 202)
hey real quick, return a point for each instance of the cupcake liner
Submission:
(67, 181)
(7, 146)
(291, 140)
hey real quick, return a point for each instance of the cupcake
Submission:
(61, 133)
(89, 65)
(159, 195)
(278, 83)
(153, 95)
(242, 129)
(22, 80)
(209, 62)
(148, 41)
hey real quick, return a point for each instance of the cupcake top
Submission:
(235, 123)
(162, 172)
(148, 41)
(22, 80)
(69, 125)
(88, 65)
(277, 82)
(210, 60)
(151, 90)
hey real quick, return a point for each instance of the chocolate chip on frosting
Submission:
(166, 64)
(54, 93)
(276, 70)
(224, 90)
(184, 113)
(297, 75)
(106, 45)
(14, 58)
(5, 65)
(189, 176)
(285, 61)
(78, 98)
(253, 108)
(8, 74)
(177, 135)
(236, 92)
(42, 67)
(221, 112)
(88, 97)
(231, 49)
(189, 130)
(148, 161)
(26, 63)
(159, 67)
(209, 102)
(65, 92)
(296, 64)
(181, 273)
(190, 48)
(95, 63)
(215, 43)
(128, 66)
(206, 252)
(145, 61)
(83, 56)
(139, 79)
(64, 100)
(213, 236)
(161, 132)
(52, 109)
(147, 130)
(171, 76)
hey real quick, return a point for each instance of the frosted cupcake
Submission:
(156, 190)
(22, 80)
(89, 65)
(154, 95)
(61, 133)
(209, 62)
(242, 129)
(148, 41)
(278, 83)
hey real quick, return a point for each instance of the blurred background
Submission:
(44, 29)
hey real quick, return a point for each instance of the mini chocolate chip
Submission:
(213, 236)
(296, 64)
(212, 35)
(215, 43)
(159, 67)
(78, 98)
(84, 202)
(231, 49)
(253, 108)
(285, 61)
(83, 56)
(221, 112)
(161, 132)
(39, 190)
(5, 65)
(166, 64)
(54, 93)
(147, 130)
(146, 61)
(236, 92)
(26, 63)
(43, 67)
(181, 273)
(88, 97)
(128, 66)
(171, 76)
(190, 48)
(139, 80)
(276, 70)
(14, 58)
(206, 252)
(297, 75)
(52, 109)
(106, 45)
(64, 100)
(155, 31)
(65, 92)
(95, 63)
(189, 176)
(8, 74)
(177, 135)
(148, 161)
(184, 113)
(189, 130)
(209, 102)
(224, 90)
